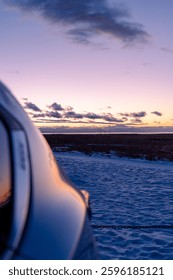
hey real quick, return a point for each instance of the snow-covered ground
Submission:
(126, 192)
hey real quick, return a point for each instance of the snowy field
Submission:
(126, 192)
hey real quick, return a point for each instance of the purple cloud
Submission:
(85, 19)
(157, 113)
(56, 107)
(53, 114)
(32, 106)
(72, 114)
(134, 115)
(110, 118)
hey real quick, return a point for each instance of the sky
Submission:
(90, 66)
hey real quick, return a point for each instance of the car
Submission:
(42, 214)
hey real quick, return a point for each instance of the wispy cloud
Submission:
(167, 50)
(157, 113)
(58, 114)
(53, 114)
(110, 118)
(66, 119)
(141, 114)
(83, 20)
(56, 107)
(73, 115)
(38, 115)
(136, 121)
(31, 106)
(92, 116)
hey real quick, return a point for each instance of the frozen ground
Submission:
(126, 192)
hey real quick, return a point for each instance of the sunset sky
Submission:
(90, 66)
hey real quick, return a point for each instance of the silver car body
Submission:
(49, 217)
